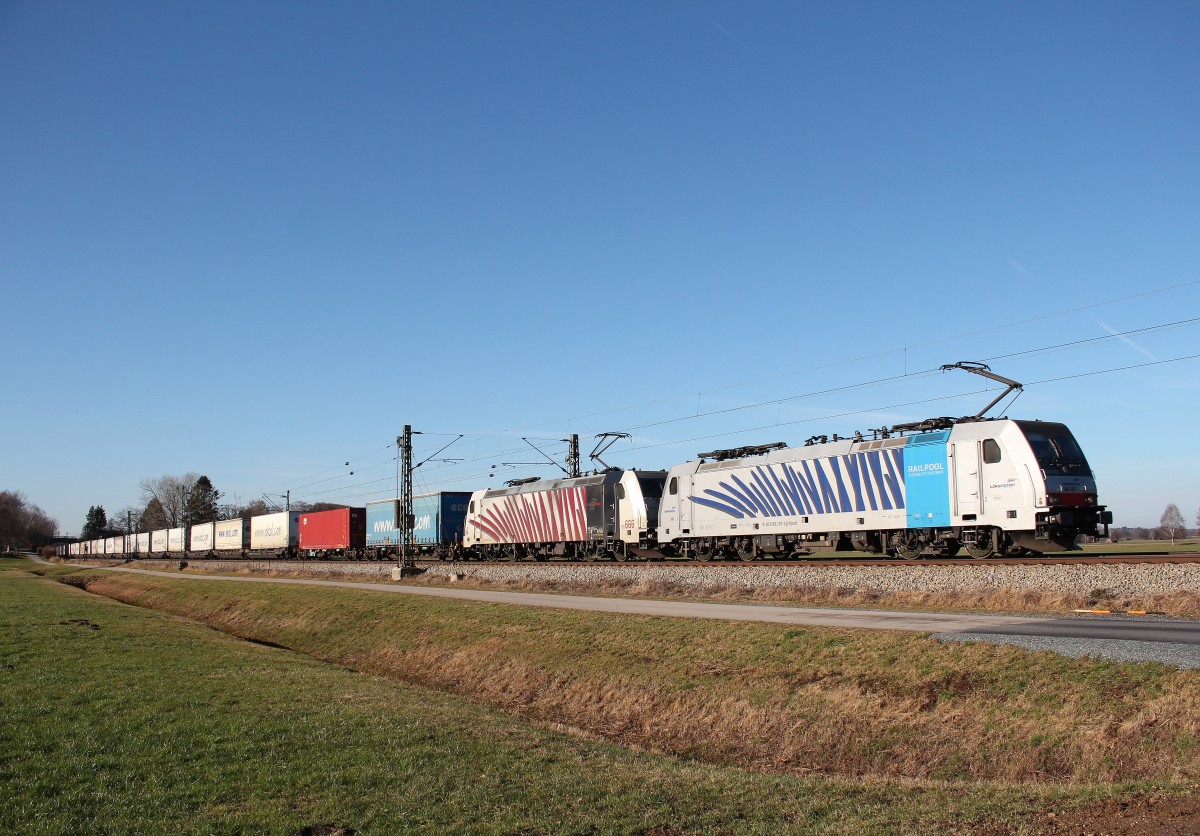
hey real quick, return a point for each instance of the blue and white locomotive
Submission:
(990, 486)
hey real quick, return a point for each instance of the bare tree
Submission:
(256, 508)
(23, 524)
(171, 493)
(1172, 522)
(126, 521)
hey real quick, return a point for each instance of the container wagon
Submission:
(338, 533)
(231, 536)
(438, 521)
(200, 542)
(276, 534)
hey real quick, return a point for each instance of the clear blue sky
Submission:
(253, 240)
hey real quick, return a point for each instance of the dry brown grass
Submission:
(1181, 603)
(1185, 603)
(844, 702)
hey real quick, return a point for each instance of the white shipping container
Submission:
(202, 537)
(158, 541)
(229, 535)
(176, 539)
(143, 543)
(275, 531)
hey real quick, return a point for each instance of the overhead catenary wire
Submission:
(826, 417)
(477, 477)
(848, 361)
(486, 455)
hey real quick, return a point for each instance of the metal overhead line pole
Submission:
(573, 466)
(404, 505)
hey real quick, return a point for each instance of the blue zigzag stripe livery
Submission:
(871, 480)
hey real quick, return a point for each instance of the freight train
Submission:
(365, 533)
(984, 485)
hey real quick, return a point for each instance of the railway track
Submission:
(1067, 559)
(1061, 559)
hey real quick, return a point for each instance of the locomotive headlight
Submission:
(1053, 499)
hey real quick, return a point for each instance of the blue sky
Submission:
(253, 240)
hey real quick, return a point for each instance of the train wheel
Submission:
(619, 554)
(745, 553)
(908, 548)
(703, 553)
(981, 547)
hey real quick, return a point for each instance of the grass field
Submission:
(118, 719)
(1183, 545)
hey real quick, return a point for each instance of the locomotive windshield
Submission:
(1054, 448)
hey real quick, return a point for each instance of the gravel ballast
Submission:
(1128, 580)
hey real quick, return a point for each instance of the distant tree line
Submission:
(176, 501)
(1172, 526)
(23, 525)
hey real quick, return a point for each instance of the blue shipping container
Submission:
(440, 518)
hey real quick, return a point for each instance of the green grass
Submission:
(1184, 545)
(115, 719)
(846, 702)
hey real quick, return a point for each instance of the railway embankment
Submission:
(1173, 588)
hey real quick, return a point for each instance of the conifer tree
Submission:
(202, 501)
(96, 525)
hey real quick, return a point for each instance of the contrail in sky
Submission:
(1020, 268)
(1127, 340)
(731, 37)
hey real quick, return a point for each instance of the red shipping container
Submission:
(345, 528)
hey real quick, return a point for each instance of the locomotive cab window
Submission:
(991, 451)
(1054, 447)
(674, 485)
(620, 491)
